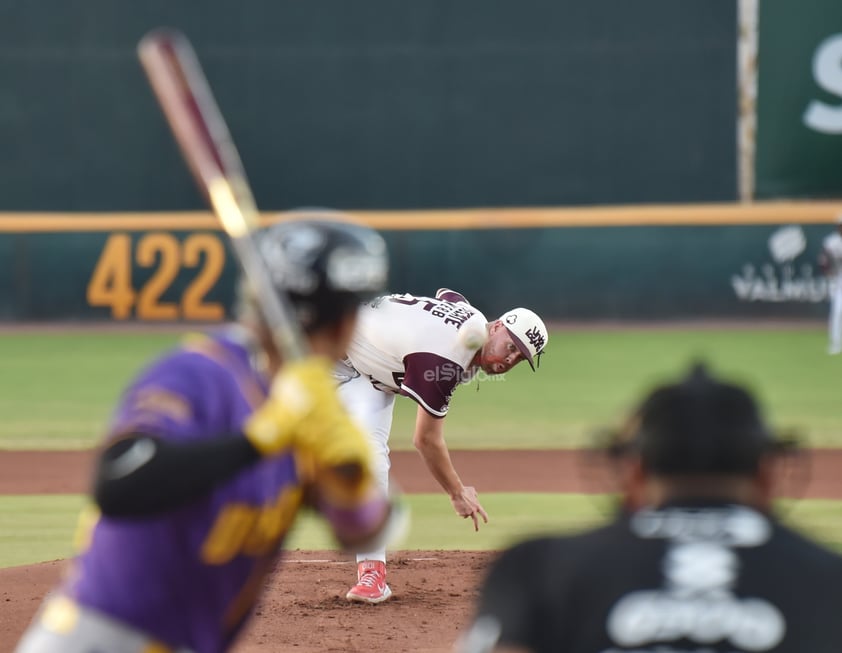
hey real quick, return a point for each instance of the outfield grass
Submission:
(590, 378)
(39, 528)
(57, 389)
(36, 528)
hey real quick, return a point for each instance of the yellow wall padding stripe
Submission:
(783, 212)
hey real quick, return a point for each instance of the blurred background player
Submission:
(202, 474)
(830, 262)
(415, 346)
(695, 560)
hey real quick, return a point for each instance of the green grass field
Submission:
(41, 527)
(57, 390)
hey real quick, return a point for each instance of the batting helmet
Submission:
(324, 265)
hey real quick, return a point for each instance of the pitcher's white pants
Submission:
(373, 411)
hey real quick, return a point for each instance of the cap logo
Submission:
(536, 338)
(511, 319)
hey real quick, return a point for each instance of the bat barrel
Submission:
(188, 104)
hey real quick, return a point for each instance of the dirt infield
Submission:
(57, 472)
(303, 609)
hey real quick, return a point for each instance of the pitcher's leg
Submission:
(373, 410)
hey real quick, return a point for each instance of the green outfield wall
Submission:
(799, 102)
(378, 104)
(656, 262)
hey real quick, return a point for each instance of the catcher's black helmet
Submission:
(326, 266)
(699, 425)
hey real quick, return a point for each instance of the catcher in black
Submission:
(694, 561)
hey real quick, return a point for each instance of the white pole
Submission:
(746, 97)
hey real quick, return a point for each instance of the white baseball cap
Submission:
(528, 332)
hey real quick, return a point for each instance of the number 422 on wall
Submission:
(111, 282)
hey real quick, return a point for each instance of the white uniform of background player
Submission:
(409, 345)
(831, 262)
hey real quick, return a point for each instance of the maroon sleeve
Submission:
(449, 295)
(430, 380)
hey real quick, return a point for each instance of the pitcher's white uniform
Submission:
(832, 246)
(408, 345)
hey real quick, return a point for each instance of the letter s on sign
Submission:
(827, 71)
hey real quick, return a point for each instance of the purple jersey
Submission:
(190, 577)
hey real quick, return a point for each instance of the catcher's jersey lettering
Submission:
(410, 345)
(250, 530)
(697, 604)
(700, 568)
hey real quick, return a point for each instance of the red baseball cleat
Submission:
(371, 584)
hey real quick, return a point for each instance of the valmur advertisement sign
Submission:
(788, 275)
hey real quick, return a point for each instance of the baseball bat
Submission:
(188, 104)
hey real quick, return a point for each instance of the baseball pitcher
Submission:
(424, 348)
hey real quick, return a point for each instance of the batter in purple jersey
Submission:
(212, 452)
